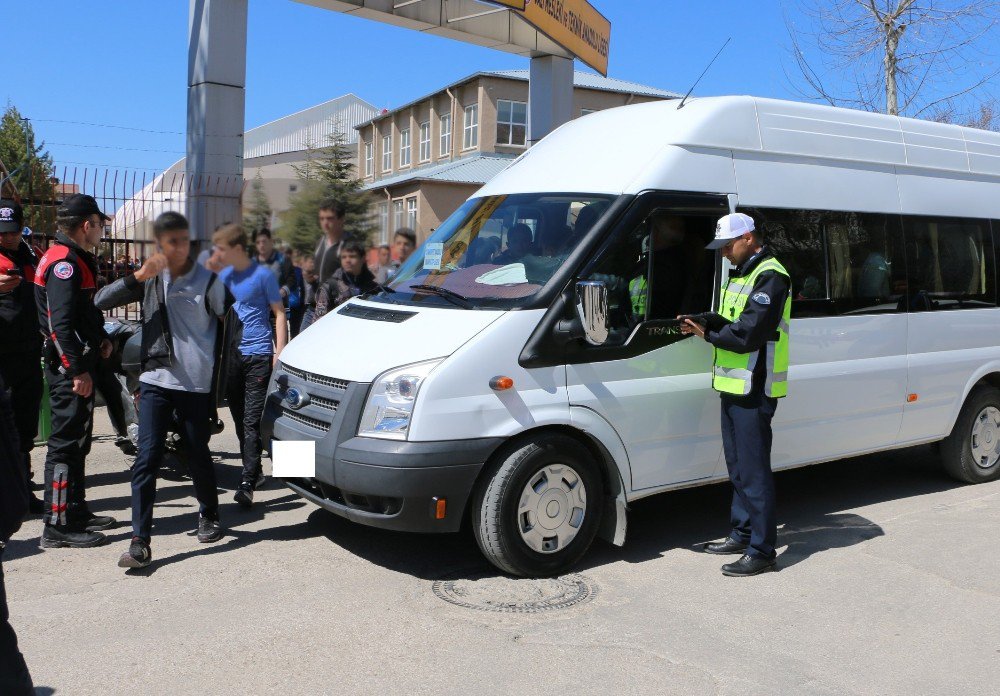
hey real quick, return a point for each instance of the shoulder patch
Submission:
(63, 270)
(761, 298)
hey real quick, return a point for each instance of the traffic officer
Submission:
(65, 284)
(20, 341)
(751, 374)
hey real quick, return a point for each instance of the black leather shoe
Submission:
(97, 523)
(729, 546)
(748, 565)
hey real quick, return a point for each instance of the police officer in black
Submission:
(65, 284)
(20, 341)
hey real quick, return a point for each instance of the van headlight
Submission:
(389, 407)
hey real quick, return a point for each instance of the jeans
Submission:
(157, 406)
(746, 441)
(247, 390)
(15, 680)
(69, 445)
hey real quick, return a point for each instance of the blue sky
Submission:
(124, 63)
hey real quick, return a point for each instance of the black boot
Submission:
(61, 536)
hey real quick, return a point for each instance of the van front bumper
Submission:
(396, 485)
(381, 483)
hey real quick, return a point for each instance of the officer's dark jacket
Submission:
(758, 323)
(18, 313)
(157, 346)
(65, 283)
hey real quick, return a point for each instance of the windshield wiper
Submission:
(454, 297)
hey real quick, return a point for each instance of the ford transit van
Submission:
(524, 371)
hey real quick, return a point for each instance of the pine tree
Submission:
(326, 173)
(258, 214)
(31, 166)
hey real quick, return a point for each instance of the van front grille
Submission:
(306, 420)
(340, 384)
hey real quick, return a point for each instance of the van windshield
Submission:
(497, 251)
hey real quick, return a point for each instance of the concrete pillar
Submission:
(550, 95)
(217, 66)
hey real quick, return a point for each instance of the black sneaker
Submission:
(244, 494)
(260, 480)
(209, 531)
(54, 537)
(138, 555)
(96, 523)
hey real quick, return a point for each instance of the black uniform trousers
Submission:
(69, 445)
(746, 442)
(22, 373)
(246, 390)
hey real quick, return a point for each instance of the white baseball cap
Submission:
(729, 228)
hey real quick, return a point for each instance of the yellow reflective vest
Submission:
(733, 373)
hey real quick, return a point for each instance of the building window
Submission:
(369, 157)
(292, 188)
(512, 122)
(404, 147)
(397, 214)
(387, 153)
(471, 136)
(446, 135)
(383, 223)
(411, 213)
(425, 141)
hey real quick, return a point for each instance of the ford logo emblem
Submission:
(296, 399)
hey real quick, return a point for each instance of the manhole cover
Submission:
(486, 592)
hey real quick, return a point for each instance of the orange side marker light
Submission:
(501, 383)
(440, 508)
(910, 398)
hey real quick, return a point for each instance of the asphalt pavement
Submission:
(888, 583)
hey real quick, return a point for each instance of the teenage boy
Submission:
(65, 284)
(404, 242)
(332, 216)
(252, 359)
(353, 278)
(182, 307)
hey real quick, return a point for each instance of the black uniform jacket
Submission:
(18, 313)
(65, 284)
(758, 323)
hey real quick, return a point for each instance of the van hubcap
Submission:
(553, 505)
(986, 437)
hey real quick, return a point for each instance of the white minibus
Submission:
(524, 371)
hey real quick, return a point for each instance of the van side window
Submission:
(795, 237)
(657, 270)
(839, 262)
(867, 266)
(950, 262)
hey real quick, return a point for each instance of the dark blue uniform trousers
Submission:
(746, 441)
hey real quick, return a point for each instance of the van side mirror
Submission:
(592, 308)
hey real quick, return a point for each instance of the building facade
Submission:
(423, 159)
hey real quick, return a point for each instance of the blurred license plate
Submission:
(293, 458)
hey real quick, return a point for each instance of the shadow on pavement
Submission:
(811, 505)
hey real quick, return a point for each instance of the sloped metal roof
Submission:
(588, 80)
(475, 169)
(309, 127)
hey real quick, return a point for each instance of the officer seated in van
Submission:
(519, 240)
(677, 261)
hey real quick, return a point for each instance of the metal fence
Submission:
(132, 198)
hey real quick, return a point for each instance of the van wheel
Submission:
(972, 452)
(540, 508)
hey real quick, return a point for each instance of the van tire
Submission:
(495, 519)
(956, 449)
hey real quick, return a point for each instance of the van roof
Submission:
(623, 150)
